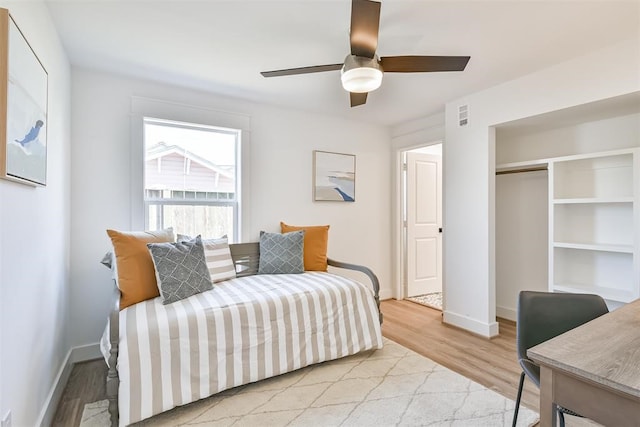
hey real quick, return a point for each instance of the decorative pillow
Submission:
(281, 253)
(315, 245)
(218, 256)
(109, 261)
(181, 269)
(136, 276)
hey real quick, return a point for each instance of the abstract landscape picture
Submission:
(334, 177)
(26, 138)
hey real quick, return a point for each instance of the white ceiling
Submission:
(221, 46)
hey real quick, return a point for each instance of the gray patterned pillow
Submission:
(281, 253)
(181, 269)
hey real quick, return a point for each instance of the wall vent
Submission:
(463, 115)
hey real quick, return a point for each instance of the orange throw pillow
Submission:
(316, 238)
(136, 273)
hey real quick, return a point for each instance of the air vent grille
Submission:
(463, 115)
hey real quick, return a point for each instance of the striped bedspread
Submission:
(241, 331)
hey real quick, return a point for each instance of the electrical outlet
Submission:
(6, 420)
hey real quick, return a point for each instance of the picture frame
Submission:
(24, 101)
(334, 177)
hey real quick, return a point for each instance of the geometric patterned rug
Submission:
(393, 386)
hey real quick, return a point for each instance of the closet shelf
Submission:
(626, 249)
(593, 200)
(544, 162)
(522, 166)
(605, 292)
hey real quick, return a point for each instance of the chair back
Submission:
(545, 315)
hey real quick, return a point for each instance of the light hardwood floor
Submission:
(491, 363)
(86, 384)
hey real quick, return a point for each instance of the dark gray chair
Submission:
(545, 315)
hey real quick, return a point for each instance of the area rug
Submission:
(393, 386)
(433, 300)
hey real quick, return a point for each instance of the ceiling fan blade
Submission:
(302, 70)
(420, 64)
(365, 21)
(358, 98)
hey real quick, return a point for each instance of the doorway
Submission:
(422, 225)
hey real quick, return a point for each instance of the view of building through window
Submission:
(190, 178)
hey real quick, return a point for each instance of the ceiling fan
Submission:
(361, 71)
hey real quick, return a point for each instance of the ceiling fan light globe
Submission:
(361, 75)
(361, 80)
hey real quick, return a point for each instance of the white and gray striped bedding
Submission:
(241, 331)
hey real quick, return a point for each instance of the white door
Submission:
(424, 222)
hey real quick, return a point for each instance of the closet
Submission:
(568, 203)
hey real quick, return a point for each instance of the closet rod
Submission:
(531, 169)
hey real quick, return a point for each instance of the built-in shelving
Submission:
(594, 224)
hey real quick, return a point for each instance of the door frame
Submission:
(399, 243)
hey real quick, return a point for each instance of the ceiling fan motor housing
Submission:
(360, 74)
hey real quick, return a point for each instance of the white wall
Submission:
(469, 166)
(418, 132)
(589, 137)
(34, 246)
(435, 149)
(522, 221)
(282, 142)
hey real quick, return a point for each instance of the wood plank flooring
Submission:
(491, 363)
(86, 384)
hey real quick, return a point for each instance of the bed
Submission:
(245, 329)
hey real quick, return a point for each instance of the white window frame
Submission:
(161, 201)
(142, 108)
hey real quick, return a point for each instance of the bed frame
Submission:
(246, 257)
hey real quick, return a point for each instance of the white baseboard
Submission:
(85, 352)
(385, 294)
(51, 403)
(75, 355)
(506, 313)
(472, 325)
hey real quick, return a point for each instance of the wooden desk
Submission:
(593, 370)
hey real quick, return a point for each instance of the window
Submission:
(191, 178)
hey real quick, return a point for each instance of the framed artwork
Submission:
(23, 97)
(334, 177)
